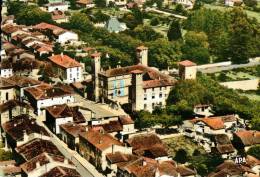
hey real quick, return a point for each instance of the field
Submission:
(222, 8)
(182, 142)
(237, 74)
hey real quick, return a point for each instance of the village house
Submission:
(22, 129)
(85, 3)
(46, 95)
(244, 139)
(148, 145)
(187, 70)
(43, 163)
(116, 2)
(152, 168)
(59, 16)
(10, 30)
(223, 146)
(188, 4)
(230, 168)
(61, 171)
(62, 36)
(6, 69)
(21, 83)
(141, 86)
(61, 6)
(232, 3)
(9, 168)
(7, 90)
(70, 134)
(60, 114)
(253, 163)
(68, 69)
(94, 145)
(34, 148)
(204, 110)
(13, 108)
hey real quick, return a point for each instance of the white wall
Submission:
(63, 7)
(74, 75)
(3, 93)
(6, 72)
(61, 121)
(67, 36)
(53, 101)
(157, 99)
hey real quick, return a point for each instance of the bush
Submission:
(155, 21)
(254, 151)
(181, 156)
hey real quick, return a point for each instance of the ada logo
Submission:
(240, 160)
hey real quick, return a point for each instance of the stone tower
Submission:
(187, 70)
(96, 57)
(137, 90)
(142, 55)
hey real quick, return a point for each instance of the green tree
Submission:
(31, 15)
(241, 34)
(100, 3)
(179, 9)
(100, 17)
(254, 151)
(80, 22)
(250, 3)
(5, 155)
(42, 2)
(163, 53)
(57, 49)
(174, 32)
(154, 21)
(181, 156)
(145, 33)
(14, 7)
(73, 4)
(196, 47)
(144, 119)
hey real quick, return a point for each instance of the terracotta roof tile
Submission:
(100, 140)
(64, 61)
(73, 129)
(249, 137)
(214, 123)
(187, 63)
(61, 172)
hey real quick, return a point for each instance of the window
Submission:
(160, 95)
(160, 88)
(152, 89)
(153, 95)
(145, 97)
(7, 96)
(153, 105)
(144, 90)
(145, 106)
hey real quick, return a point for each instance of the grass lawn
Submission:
(222, 8)
(251, 96)
(182, 142)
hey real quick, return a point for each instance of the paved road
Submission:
(100, 110)
(225, 68)
(84, 168)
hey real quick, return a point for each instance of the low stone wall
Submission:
(220, 64)
(251, 84)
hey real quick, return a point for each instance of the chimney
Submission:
(38, 165)
(144, 163)
(61, 55)
(66, 161)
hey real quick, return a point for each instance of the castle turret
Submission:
(142, 55)
(187, 70)
(137, 90)
(96, 57)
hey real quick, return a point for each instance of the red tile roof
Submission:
(55, 29)
(96, 54)
(64, 61)
(214, 123)
(249, 137)
(156, 83)
(73, 129)
(100, 140)
(141, 48)
(61, 172)
(45, 91)
(126, 120)
(16, 127)
(187, 63)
